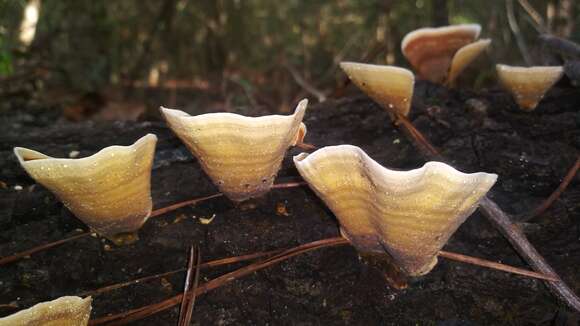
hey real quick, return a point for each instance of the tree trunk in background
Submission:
(390, 38)
(440, 13)
(565, 18)
(162, 22)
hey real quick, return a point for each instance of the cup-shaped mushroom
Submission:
(408, 214)
(241, 155)
(528, 85)
(463, 58)
(432, 50)
(64, 311)
(109, 191)
(390, 86)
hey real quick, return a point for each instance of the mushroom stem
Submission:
(556, 194)
(502, 222)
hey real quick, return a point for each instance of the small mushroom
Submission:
(242, 155)
(405, 215)
(528, 85)
(463, 58)
(390, 86)
(64, 311)
(440, 54)
(109, 191)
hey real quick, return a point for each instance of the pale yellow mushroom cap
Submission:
(390, 86)
(410, 214)
(64, 311)
(464, 56)
(109, 191)
(242, 155)
(528, 85)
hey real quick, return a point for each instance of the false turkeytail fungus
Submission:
(528, 85)
(64, 311)
(408, 216)
(109, 191)
(242, 155)
(390, 86)
(464, 56)
(440, 54)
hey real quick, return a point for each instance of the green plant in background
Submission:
(6, 68)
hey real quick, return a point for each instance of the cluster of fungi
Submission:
(401, 217)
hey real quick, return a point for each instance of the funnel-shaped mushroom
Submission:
(109, 191)
(435, 53)
(242, 155)
(64, 311)
(528, 85)
(464, 56)
(410, 214)
(391, 87)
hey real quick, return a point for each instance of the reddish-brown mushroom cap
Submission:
(430, 50)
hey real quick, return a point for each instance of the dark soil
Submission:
(530, 152)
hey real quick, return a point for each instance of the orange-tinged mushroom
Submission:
(390, 86)
(431, 51)
(528, 85)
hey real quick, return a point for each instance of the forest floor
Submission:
(531, 153)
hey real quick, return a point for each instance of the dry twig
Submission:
(143, 312)
(191, 281)
(157, 212)
(140, 313)
(558, 192)
(493, 265)
(213, 263)
(502, 222)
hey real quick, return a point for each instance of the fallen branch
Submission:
(502, 222)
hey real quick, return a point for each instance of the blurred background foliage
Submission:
(228, 53)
